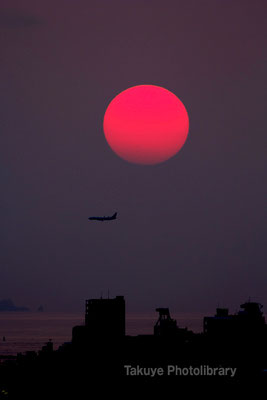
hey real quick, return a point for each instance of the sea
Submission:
(29, 331)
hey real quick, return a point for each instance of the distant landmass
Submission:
(8, 305)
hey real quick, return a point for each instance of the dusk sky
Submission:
(190, 231)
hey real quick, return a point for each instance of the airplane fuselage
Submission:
(104, 218)
(100, 218)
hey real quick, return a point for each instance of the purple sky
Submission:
(190, 231)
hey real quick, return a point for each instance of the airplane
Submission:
(114, 216)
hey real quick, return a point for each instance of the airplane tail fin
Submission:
(114, 215)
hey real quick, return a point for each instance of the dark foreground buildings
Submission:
(232, 348)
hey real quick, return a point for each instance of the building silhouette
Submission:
(167, 326)
(106, 315)
(100, 349)
(104, 318)
(247, 324)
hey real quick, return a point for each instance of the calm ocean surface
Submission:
(27, 331)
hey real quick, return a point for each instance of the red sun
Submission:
(146, 124)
